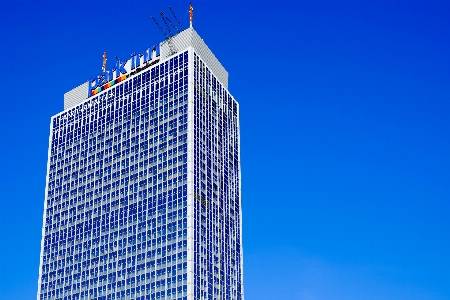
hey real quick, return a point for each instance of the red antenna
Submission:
(104, 61)
(191, 14)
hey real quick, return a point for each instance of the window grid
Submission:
(115, 217)
(217, 240)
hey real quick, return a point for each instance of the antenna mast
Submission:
(179, 23)
(191, 14)
(160, 28)
(165, 17)
(168, 37)
(104, 62)
(172, 49)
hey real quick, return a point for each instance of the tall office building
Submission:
(143, 182)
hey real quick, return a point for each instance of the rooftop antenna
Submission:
(191, 14)
(164, 19)
(172, 49)
(179, 23)
(176, 28)
(160, 28)
(104, 62)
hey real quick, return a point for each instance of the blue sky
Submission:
(345, 134)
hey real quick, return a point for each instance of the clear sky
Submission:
(345, 134)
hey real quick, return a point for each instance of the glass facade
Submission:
(217, 213)
(143, 190)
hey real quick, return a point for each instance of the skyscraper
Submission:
(143, 182)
